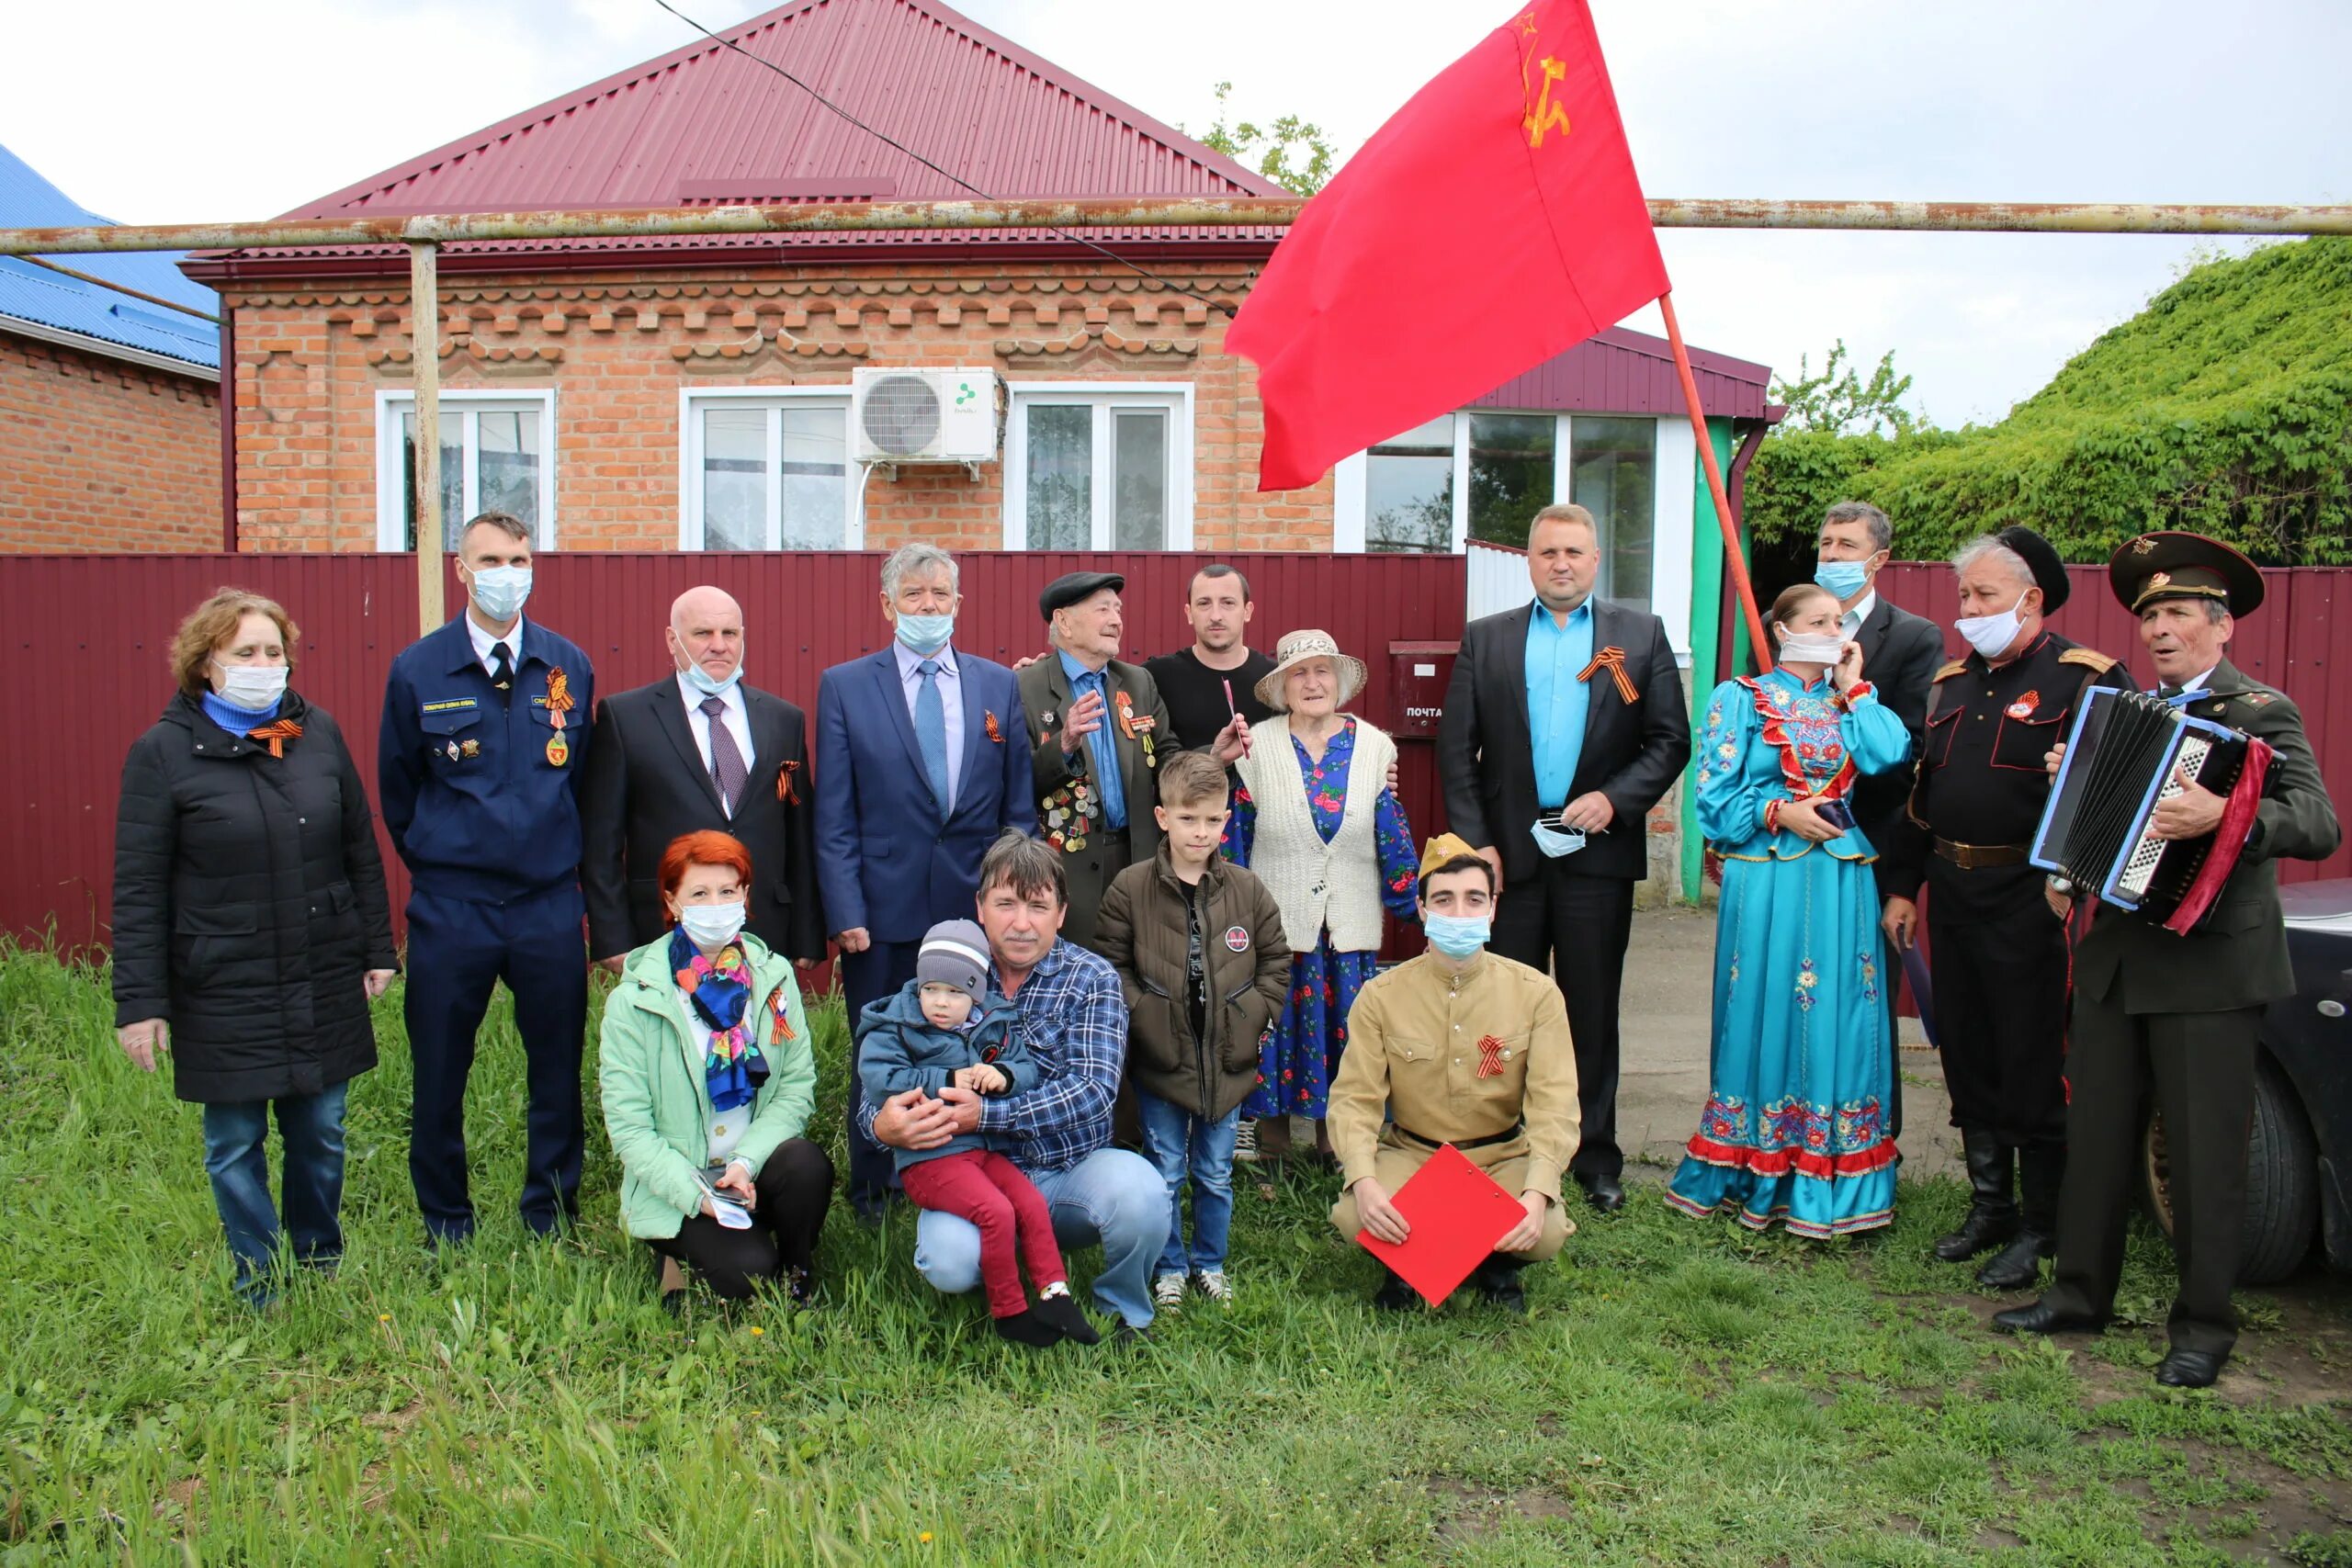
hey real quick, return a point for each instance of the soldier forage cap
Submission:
(2041, 560)
(1075, 587)
(2171, 565)
(1443, 848)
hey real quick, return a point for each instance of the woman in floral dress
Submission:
(1795, 1125)
(1313, 818)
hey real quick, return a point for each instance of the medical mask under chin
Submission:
(925, 634)
(1456, 936)
(712, 925)
(499, 590)
(1799, 647)
(1556, 842)
(702, 680)
(1843, 578)
(1991, 634)
(251, 686)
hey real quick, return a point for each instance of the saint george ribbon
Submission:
(1491, 1057)
(276, 735)
(1612, 659)
(1504, 189)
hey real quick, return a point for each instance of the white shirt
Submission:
(1850, 624)
(951, 702)
(727, 1127)
(2198, 682)
(483, 642)
(738, 720)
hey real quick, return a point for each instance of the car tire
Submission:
(2282, 1181)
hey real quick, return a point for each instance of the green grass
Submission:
(1682, 1393)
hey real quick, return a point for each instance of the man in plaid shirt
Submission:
(1074, 1021)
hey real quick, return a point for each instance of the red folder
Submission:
(1455, 1214)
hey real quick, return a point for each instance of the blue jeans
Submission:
(1180, 1144)
(311, 1128)
(1112, 1198)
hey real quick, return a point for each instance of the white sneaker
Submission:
(1168, 1292)
(1213, 1285)
(1245, 1141)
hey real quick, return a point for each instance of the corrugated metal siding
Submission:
(1622, 371)
(99, 629)
(2300, 641)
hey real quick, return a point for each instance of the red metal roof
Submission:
(703, 125)
(1622, 371)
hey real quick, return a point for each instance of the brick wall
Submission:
(96, 452)
(617, 347)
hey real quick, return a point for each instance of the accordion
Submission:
(2124, 758)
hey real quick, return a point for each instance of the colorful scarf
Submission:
(720, 989)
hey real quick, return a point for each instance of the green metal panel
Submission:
(1706, 623)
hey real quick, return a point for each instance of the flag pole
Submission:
(1733, 556)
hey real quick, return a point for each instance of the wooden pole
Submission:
(1733, 561)
(425, 355)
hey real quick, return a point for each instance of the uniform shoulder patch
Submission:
(1957, 667)
(2257, 699)
(2089, 658)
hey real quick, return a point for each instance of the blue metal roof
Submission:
(49, 298)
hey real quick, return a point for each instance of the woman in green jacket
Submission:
(708, 1079)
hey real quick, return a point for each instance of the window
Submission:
(1099, 467)
(1614, 467)
(1409, 489)
(768, 468)
(497, 455)
(1510, 473)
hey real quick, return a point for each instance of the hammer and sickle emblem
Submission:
(1545, 116)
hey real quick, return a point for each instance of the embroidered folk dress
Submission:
(1300, 1055)
(1795, 1124)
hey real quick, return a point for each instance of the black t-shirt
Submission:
(1195, 693)
(1196, 968)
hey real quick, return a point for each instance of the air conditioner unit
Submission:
(943, 414)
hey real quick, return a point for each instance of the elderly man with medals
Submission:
(2181, 1014)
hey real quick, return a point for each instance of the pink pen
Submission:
(1235, 709)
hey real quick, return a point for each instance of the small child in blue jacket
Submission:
(941, 1029)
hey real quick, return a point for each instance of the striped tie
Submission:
(726, 768)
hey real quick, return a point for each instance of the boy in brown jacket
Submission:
(1198, 944)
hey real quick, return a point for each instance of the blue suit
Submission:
(884, 860)
(481, 795)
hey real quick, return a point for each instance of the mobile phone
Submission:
(1837, 813)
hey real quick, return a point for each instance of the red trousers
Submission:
(990, 1191)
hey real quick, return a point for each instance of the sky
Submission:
(179, 113)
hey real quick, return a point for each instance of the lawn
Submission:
(1680, 1393)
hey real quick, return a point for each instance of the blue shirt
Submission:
(1102, 745)
(1557, 701)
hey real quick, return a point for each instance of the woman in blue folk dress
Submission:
(1795, 1125)
(1315, 818)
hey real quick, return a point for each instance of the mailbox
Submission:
(1418, 674)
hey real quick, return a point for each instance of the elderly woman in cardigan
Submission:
(1314, 816)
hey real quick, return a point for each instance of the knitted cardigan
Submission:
(1318, 886)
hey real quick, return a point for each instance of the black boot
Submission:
(1992, 1216)
(1497, 1282)
(1393, 1295)
(2041, 1168)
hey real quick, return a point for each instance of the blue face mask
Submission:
(500, 590)
(926, 633)
(1556, 842)
(1843, 578)
(1456, 936)
(701, 681)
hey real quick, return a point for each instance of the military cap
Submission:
(1074, 587)
(2049, 572)
(2172, 565)
(1443, 848)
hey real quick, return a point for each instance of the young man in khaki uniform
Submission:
(1460, 1046)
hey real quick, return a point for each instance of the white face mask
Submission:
(251, 686)
(1801, 647)
(1991, 634)
(712, 925)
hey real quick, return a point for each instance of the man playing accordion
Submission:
(2181, 1013)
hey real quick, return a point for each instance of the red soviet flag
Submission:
(1493, 222)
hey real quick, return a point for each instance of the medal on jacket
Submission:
(559, 703)
(2023, 707)
(1138, 729)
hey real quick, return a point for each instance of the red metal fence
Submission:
(2296, 642)
(86, 672)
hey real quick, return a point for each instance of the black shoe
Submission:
(800, 1285)
(1067, 1318)
(1499, 1286)
(1395, 1295)
(1992, 1214)
(1129, 1335)
(1027, 1329)
(2040, 1317)
(2190, 1368)
(2018, 1265)
(869, 1208)
(1604, 1192)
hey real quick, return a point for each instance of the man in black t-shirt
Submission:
(1191, 681)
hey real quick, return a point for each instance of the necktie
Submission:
(726, 768)
(931, 733)
(1104, 747)
(502, 666)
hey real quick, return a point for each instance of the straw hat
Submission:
(1298, 647)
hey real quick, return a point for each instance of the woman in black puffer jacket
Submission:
(251, 928)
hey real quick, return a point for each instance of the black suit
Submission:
(1901, 653)
(646, 783)
(1575, 912)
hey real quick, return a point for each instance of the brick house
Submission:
(699, 392)
(109, 393)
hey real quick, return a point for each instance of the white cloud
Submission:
(180, 113)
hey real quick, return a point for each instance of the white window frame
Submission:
(1175, 397)
(392, 483)
(690, 445)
